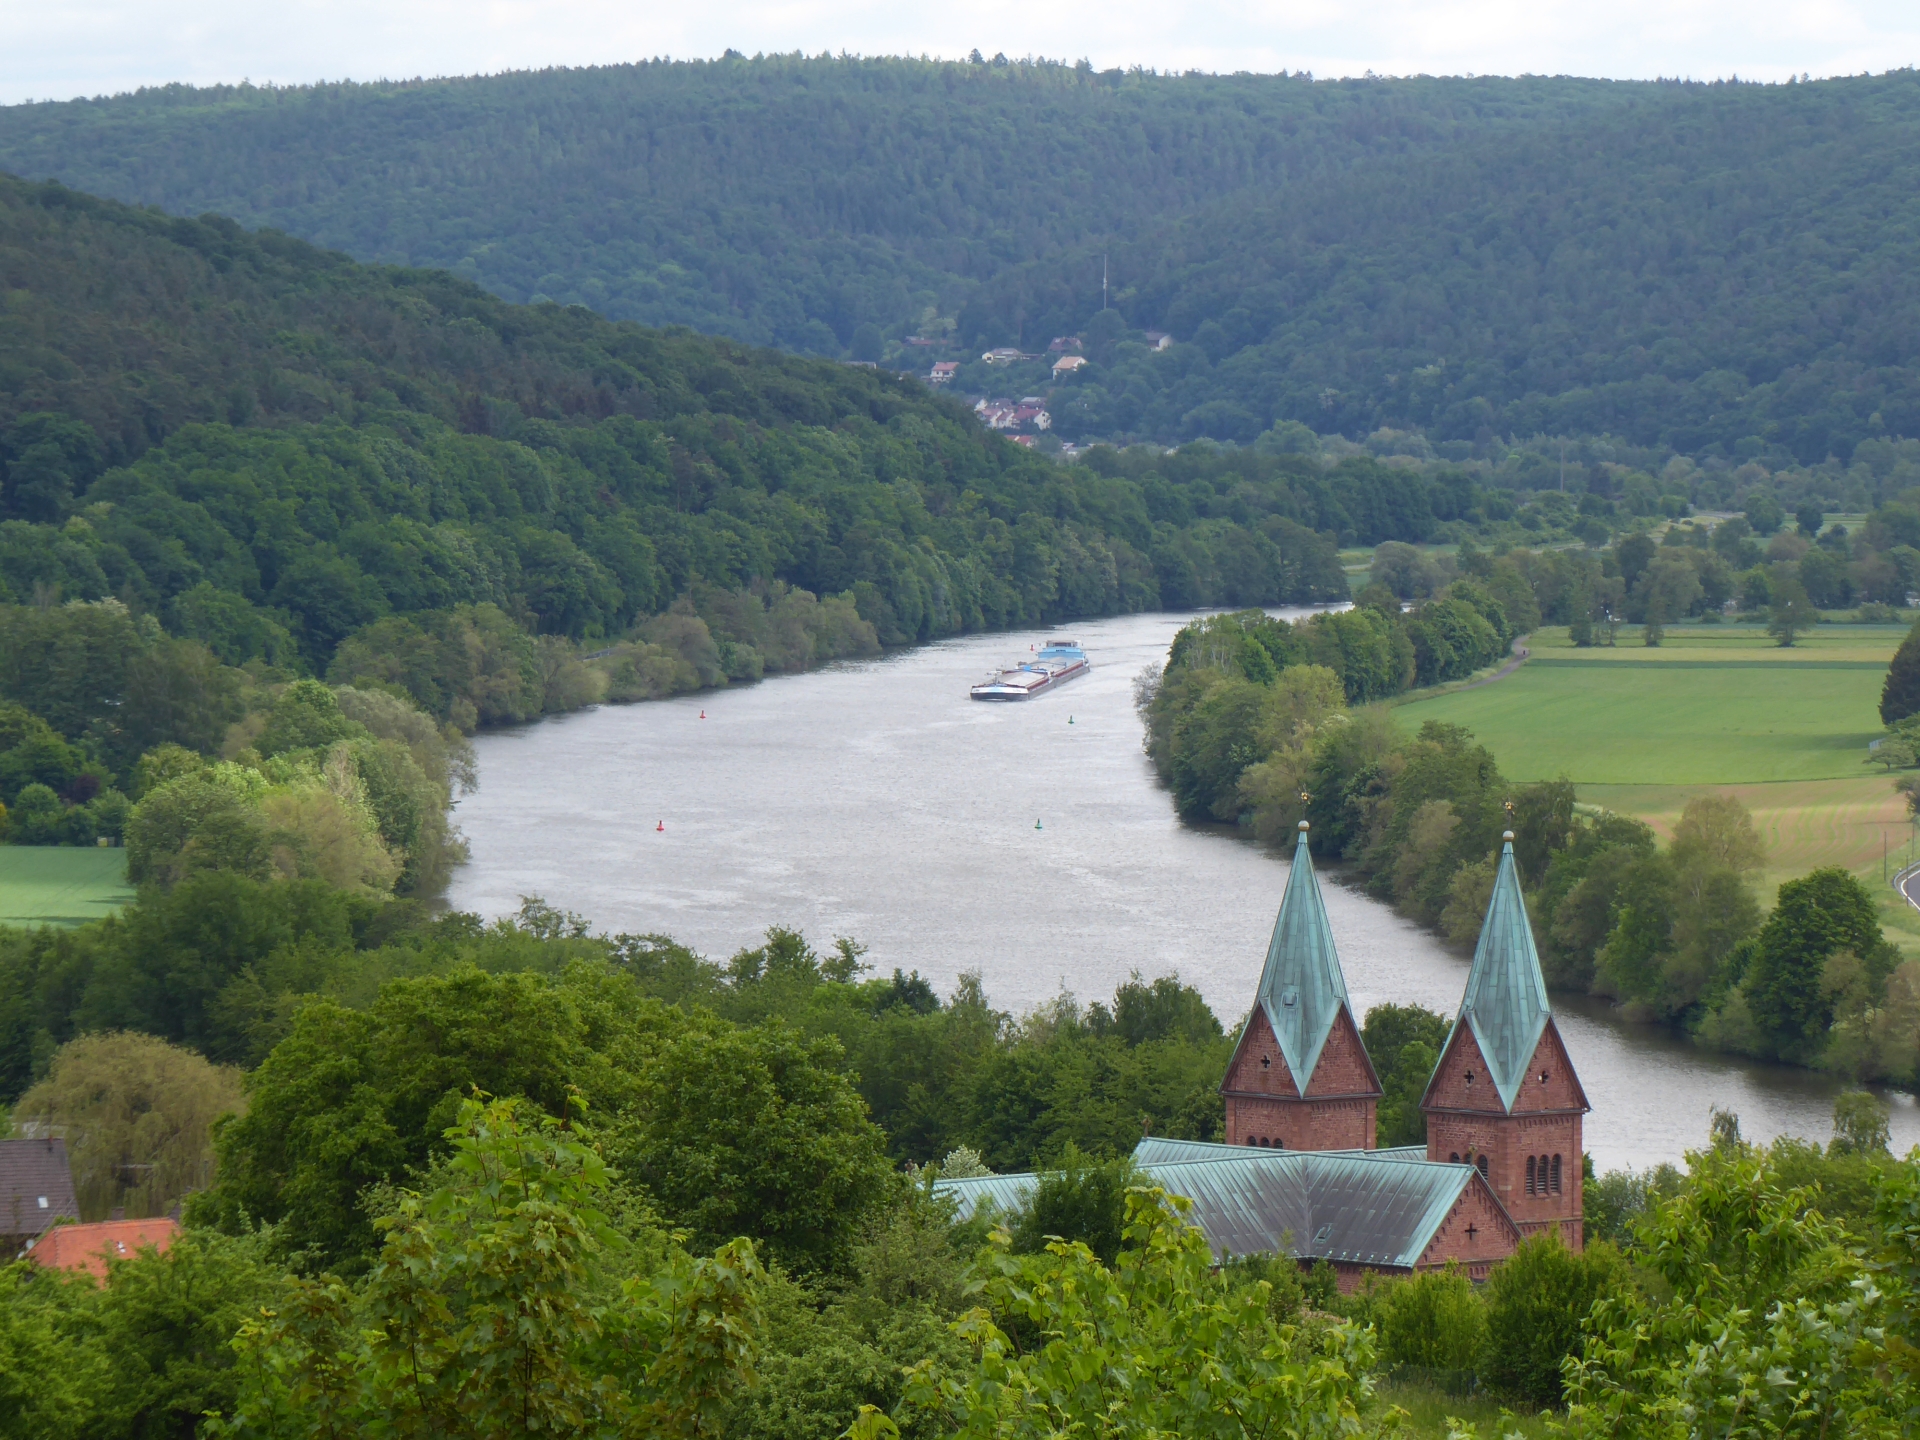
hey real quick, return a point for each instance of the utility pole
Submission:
(1563, 464)
(1103, 279)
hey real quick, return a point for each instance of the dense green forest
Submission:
(1717, 269)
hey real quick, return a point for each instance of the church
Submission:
(1299, 1172)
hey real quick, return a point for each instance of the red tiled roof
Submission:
(90, 1247)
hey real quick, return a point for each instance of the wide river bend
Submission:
(1028, 842)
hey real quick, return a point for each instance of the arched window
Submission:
(1530, 1167)
(1253, 1140)
(1481, 1165)
(1279, 1144)
(1556, 1174)
(1454, 1158)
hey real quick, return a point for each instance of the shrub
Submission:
(1435, 1320)
(1537, 1304)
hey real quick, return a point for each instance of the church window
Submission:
(1543, 1077)
(1530, 1170)
(1279, 1144)
(1454, 1158)
(1253, 1140)
(1556, 1174)
(1481, 1165)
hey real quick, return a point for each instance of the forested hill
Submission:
(390, 476)
(1706, 267)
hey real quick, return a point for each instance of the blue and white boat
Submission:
(1057, 662)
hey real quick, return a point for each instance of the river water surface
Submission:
(1028, 842)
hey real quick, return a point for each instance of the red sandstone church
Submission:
(1300, 1174)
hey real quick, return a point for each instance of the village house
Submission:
(36, 1191)
(1067, 364)
(93, 1247)
(1063, 344)
(1002, 356)
(1158, 339)
(943, 371)
(1299, 1174)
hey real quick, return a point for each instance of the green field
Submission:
(1713, 706)
(58, 885)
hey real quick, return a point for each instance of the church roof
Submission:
(1362, 1207)
(1506, 1001)
(1301, 988)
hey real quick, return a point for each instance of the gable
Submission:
(1560, 1088)
(1461, 1080)
(1258, 1067)
(1344, 1068)
(1495, 1235)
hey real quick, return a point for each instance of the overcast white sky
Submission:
(57, 49)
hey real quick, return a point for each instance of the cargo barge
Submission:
(1057, 662)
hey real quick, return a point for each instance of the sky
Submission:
(58, 49)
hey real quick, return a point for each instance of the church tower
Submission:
(1300, 1078)
(1504, 1097)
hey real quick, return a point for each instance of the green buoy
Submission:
(1069, 719)
(1036, 824)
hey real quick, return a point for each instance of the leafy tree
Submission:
(1537, 1300)
(1435, 1320)
(1824, 912)
(1792, 612)
(138, 1115)
(1162, 1297)
(1900, 693)
(504, 1304)
(757, 1132)
(1083, 1201)
(1404, 1043)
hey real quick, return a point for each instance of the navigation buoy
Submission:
(661, 826)
(703, 714)
(1069, 719)
(1036, 824)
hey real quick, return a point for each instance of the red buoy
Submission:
(703, 714)
(661, 826)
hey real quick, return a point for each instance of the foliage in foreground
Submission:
(1160, 1343)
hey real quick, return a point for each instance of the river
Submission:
(1028, 842)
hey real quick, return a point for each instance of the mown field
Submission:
(1716, 708)
(59, 885)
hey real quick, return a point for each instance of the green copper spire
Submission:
(1506, 1000)
(1302, 988)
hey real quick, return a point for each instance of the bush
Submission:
(1082, 1200)
(1435, 1320)
(1537, 1304)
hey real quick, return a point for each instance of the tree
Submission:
(756, 1132)
(1792, 612)
(138, 1115)
(1159, 1343)
(1764, 513)
(1537, 1300)
(504, 1304)
(1809, 518)
(1900, 693)
(1083, 1201)
(1815, 916)
(1859, 1124)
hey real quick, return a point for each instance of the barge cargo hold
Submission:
(1057, 662)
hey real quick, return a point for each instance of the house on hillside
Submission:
(1005, 355)
(1158, 339)
(36, 1191)
(1064, 345)
(1067, 364)
(1299, 1174)
(93, 1247)
(943, 371)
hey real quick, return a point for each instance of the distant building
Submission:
(918, 341)
(943, 371)
(1067, 364)
(1158, 339)
(36, 1190)
(1005, 355)
(93, 1247)
(1063, 344)
(1030, 413)
(1300, 1176)
(1026, 440)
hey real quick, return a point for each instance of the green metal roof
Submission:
(1301, 988)
(1358, 1206)
(1159, 1150)
(1506, 1000)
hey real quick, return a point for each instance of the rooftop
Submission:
(1302, 988)
(1367, 1207)
(1506, 999)
(36, 1187)
(92, 1247)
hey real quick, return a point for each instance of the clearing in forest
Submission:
(61, 885)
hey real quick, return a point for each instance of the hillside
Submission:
(285, 454)
(1713, 268)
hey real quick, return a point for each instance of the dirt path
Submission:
(1520, 653)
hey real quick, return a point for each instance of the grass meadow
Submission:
(1716, 708)
(60, 885)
